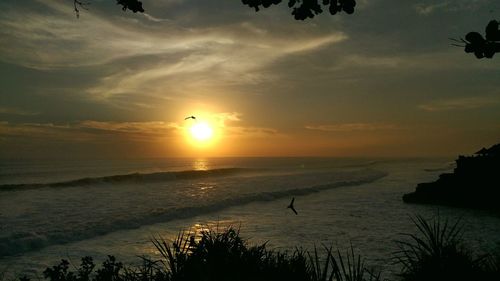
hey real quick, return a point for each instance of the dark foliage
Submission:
(79, 5)
(483, 47)
(220, 256)
(303, 9)
(226, 256)
(110, 271)
(132, 5)
(60, 272)
(436, 253)
(439, 254)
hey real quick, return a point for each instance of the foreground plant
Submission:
(435, 253)
(220, 255)
(438, 253)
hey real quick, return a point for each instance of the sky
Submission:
(382, 82)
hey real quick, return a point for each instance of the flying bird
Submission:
(291, 206)
(190, 117)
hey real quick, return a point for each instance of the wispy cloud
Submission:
(461, 103)
(153, 18)
(421, 61)
(427, 9)
(76, 130)
(95, 39)
(217, 58)
(152, 128)
(349, 127)
(228, 122)
(450, 6)
(68, 42)
(253, 132)
(32, 130)
(185, 59)
(17, 111)
(225, 119)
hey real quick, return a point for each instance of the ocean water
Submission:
(52, 210)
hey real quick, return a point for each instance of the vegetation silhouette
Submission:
(474, 42)
(132, 5)
(303, 9)
(437, 252)
(474, 183)
(482, 47)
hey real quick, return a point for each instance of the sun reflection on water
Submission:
(200, 164)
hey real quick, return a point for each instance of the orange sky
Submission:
(114, 84)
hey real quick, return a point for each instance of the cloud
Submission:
(148, 130)
(17, 111)
(32, 130)
(153, 18)
(146, 55)
(426, 9)
(350, 127)
(88, 128)
(253, 132)
(56, 39)
(45, 42)
(460, 103)
(91, 138)
(218, 58)
(312, 43)
(230, 124)
(225, 118)
(449, 59)
(152, 128)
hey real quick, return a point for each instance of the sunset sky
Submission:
(384, 81)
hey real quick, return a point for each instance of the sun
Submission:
(201, 131)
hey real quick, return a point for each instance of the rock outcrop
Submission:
(475, 183)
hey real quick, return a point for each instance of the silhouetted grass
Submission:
(226, 256)
(435, 253)
(438, 253)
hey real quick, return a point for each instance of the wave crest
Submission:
(132, 178)
(22, 242)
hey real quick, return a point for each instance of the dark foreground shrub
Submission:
(110, 270)
(226, 256)
(221, 256)
(438, 253)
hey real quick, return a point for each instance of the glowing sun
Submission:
(201, 131)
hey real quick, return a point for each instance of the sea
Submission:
(67, 209)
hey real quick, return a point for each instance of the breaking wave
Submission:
(132, 178)
(15, 243)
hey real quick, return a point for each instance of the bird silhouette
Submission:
(291, 206)
(190, 117)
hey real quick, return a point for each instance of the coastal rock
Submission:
(474, 183)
